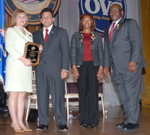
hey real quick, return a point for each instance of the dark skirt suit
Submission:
(87, 80)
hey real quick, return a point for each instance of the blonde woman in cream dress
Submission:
(18, 69)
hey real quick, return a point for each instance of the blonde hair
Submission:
(14, 16)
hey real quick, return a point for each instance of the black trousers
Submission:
(88, 94)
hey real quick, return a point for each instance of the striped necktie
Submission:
(111, 31)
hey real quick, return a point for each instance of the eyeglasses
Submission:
(44, 17)
(115, 10)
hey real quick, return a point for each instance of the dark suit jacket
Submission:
(55, 53)
(125, 47)
(77, 49)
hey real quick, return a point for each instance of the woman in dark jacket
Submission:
(87, 65)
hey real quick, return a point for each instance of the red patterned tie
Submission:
(111, 31)
(46, 35)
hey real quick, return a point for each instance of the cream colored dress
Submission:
(18, 76)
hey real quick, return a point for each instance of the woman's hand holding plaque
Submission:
(32, 51)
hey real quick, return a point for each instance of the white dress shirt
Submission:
(49, 30)
(116, 22)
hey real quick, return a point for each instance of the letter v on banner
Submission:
(3, 53)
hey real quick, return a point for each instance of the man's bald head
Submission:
(116, 12)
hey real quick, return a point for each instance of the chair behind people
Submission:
(101, 102)
(67, 96)
(33, 96)
(76, 95)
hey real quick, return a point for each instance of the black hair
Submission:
(47, 10)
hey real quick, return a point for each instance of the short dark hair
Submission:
(81, 20)
(47, 10)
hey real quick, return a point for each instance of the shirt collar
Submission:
(116, 22)
(49, 29)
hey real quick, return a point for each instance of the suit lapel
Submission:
(51, 34)
(41, 35)
(21, 33)
(116, 29)
(81, 38)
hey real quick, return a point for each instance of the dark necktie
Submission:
(46, 35)
(111, 31)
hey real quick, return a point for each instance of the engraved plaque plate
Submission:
(32, 52)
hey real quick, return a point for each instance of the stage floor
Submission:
(107, 126)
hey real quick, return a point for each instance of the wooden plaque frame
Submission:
(32, 52)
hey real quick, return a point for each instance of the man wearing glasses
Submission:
(123, 52)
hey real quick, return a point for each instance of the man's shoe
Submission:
(120, 125)
(63, 128)
(84, 126)
(130, 127)
(93, 126)
(42, 127)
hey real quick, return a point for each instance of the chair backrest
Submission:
(33, 75)
(66, 88)
(33, 82)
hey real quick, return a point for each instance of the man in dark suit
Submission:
(52, 70)
(123, 51)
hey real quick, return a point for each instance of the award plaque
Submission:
(32, 52)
